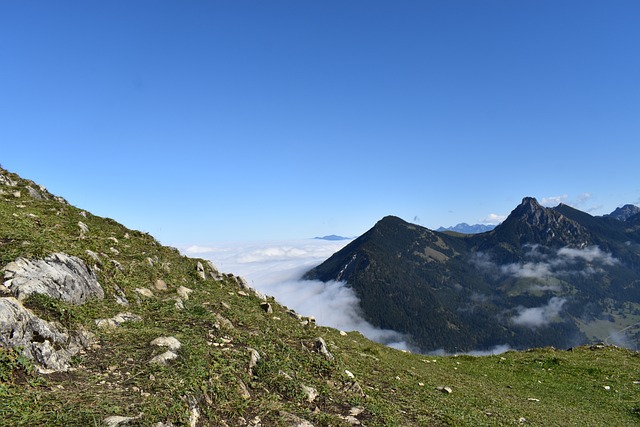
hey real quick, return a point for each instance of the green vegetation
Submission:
(587, 386)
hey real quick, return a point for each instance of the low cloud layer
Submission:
(275, 268)
(547, 269)
(536, 317)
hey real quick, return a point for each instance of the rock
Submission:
(116, 420)
(6, 181)
(117, 320)
(310, 392)
(349, 373)
(59, 276)
(184, 292)
(321, 347)
(145, 292)
(163, 358)
(291, 420)
(95, 256)
(243, 390)
(354, 387)
(224, 322)
(160, 285)
(50, 346)
(35, 194)
(200, 270)
(266, 307)
(194, 411)
(254, 358)
(170, 342)
(84, 228)
(446, 390)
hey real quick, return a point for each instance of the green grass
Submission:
(545, 387)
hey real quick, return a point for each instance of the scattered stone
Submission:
(145, 292)
(84, 228)
(170, 342)
(266, 307)
(194, 412)
(160, 285)
(200, 270)
(254, 358)
(163, 358)
(321, 347)
(243, 390)
(113, 239)
(356, 410)
(83, 214)
(59, 276)
(607, 387)
(446, 390)
(343, 333)
(114, 251)
(243, 294)
(179, 305)
(116, 420)
(349, 374)
(291, 420)
(36, 194)
(224, 323)
(117, 320)
(354, 387)
(310, 392)
(184, 292)
(533, 399)
(95, 256)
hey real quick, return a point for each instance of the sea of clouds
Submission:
(276, 268)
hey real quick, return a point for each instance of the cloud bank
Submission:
(275, 268)
(539, 316)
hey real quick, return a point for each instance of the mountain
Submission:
(543, 277)
(101, 325)
(332, 237)
(625, 212)
(465, 228)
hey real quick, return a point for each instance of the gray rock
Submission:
(310, 392)
(117, 420)
(59, 276)
(5, 180)
(254, 358)
(84, 228)
(117, 320)
(200, 270)
(291, 420)
(171, 343)
(36, 194)
(163, 358)
(49, 345)
(184, 292)
(321, 347)
(160, 285)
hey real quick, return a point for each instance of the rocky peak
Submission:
(625, 212)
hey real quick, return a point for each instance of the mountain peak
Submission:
(625, 212)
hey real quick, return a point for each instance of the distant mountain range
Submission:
(465, 228)
(333, 237)
(544, 277)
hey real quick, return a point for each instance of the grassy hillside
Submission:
(211, 382)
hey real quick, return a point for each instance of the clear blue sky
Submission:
(206, 121)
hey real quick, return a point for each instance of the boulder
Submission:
(321, 347)
(49, 345)
(59, 276)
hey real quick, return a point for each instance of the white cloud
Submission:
(590, 254)
(539, 270)
(275, 268)
(553, 200)
(493, 219)
(539, 316)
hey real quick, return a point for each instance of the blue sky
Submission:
(209, 121)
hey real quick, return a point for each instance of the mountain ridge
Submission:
(483, 288)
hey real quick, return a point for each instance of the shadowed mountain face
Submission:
(545, 276)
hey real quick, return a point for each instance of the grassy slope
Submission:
(544, 387)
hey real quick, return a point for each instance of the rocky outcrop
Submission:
(59, 276)
(48, 344)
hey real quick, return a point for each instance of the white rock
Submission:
(163, 358)
(170, 342)
(144, 292)
(184, 292)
